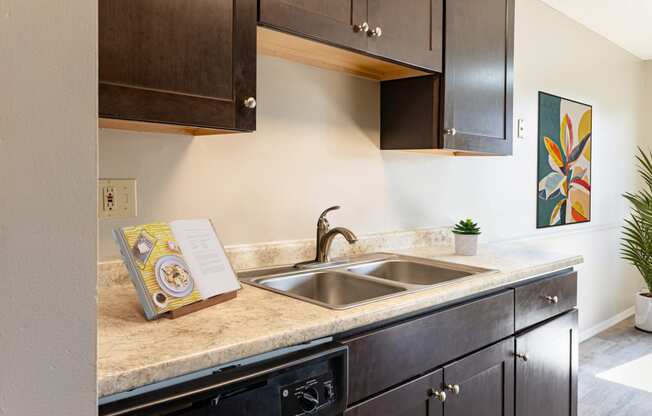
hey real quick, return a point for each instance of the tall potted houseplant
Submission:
(637, 239)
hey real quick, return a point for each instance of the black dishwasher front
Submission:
(312, 383)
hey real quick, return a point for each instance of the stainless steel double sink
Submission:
(359, 280)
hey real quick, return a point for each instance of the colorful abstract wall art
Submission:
(564, 161)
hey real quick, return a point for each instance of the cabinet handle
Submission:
(551, 299)
(362, 27)
(375, 33)
(250, 102)
(453, 388)
(451, 131)
(524, 356)
(437, 394)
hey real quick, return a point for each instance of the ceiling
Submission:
(627, 23)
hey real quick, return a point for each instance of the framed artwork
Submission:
(563, 161)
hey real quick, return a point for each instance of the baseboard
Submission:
(596, 329)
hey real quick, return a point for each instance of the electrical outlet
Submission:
(108, 198)
(116, 198)
(521, 128)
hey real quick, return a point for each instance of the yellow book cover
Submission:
(175, 264)
(165, 274)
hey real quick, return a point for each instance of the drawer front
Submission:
(414, 398)
(389, 356)
(539, 301)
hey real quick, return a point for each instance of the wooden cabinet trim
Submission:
(273, 42)
(130, 125)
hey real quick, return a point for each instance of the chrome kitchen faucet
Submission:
(325, 236)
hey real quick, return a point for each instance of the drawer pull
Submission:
(453, 388)
(525, 357)
(552, 299)
(363, 27)
(438, 394)
(250, 103)
(375, 33)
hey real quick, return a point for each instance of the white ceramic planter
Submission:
(466, 244)
(643, 312)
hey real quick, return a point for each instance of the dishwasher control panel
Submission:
(310, 382)
(308, 397)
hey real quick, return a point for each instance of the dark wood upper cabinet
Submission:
(547, 381)
(410, 32)
(482, 384)
(415, 398)
(328, 21)
(477, 93)
(468, 109)
(178, 63)
(445, 66)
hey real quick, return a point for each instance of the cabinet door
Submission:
(187, 63)
(381, 359)
(478, 76)
(415, 398)
(329, 21)
(482, 384)
(411, 32)
(547, 381)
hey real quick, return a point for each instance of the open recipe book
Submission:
(175, 264)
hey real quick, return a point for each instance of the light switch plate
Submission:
(116, 198)
(521, 128)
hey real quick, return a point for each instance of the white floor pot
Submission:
(643, 312)
(466, 244)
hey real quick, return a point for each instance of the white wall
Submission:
(647, 136)
(317, 145)
(48, 229)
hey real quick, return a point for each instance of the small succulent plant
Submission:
(466, 227)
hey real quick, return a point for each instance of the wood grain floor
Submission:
(615, 346)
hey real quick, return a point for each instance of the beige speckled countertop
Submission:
(133, 352)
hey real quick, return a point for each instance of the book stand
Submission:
(193, 307)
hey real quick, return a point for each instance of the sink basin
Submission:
(353, 281)
(410, 272)
(338, 290)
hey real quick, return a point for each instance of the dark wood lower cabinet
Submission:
(481, 384)
(530, 372)
(539, 301)
(390, 356)
(546, 383)
(466, 359)
(414, 398)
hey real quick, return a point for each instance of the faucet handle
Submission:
(327, 210)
